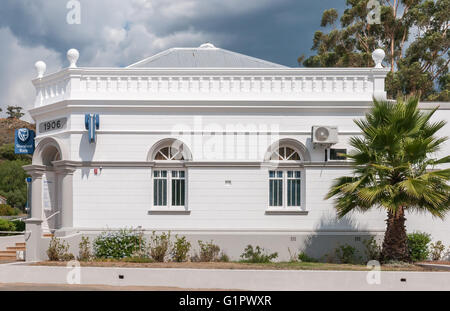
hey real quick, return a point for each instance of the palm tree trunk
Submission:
(395, 245)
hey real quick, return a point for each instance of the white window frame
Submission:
(328, 151)
(169, 207)
(284, 208)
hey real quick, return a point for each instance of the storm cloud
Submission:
(118, 33)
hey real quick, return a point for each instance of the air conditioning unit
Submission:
(325, 135)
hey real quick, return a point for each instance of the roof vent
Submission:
(207, 46)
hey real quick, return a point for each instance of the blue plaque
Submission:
(24, 141)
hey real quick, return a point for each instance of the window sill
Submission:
(285, 211)
(169, 211)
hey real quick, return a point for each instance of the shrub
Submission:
(257, 255)
(180, 249)
(418, 245)
(372, 249)
(58, 250)
(224, 257)
(7, 210)
(19, 225)
(159, 246)
(84, 253)
(6, 225)
(119, 244)
(437, 250)
(208, 251)
(303, 257)
(346, 254)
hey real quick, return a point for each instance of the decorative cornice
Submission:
(73, 165)
(65, 167)
(36, 171)
(131, 84)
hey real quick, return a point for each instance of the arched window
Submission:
(285, 154)
(169, 175)
(169, 153)
(285, 182)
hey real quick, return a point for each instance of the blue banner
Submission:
(92, 123)
(24, 141)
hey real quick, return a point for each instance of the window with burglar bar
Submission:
(285, 188)
(169, 188)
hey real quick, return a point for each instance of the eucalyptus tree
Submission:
(413, 33)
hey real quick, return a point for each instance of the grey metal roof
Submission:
(205, 56)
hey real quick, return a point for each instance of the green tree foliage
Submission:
(413, 33)
(394, 170)
(12, 182)
(7, 153)
(14, 112)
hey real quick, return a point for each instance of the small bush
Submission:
(418, 245)
(257, 255)
(208, 251)
(58, 250)
(224, 257)
(437, 250)
(6, 210)
(346, 254)
(302, 257)
(159, 246)
(19, 225)
(84, 253)
(180, 249)
(119, 244)
(372, 249)
(6, 225)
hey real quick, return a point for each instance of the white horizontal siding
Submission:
(122, 198)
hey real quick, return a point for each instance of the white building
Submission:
(206, 143)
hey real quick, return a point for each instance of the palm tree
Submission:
(394, 170)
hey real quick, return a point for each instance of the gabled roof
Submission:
(205, 56)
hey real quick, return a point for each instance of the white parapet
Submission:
(291, 84)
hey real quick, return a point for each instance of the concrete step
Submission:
(8, 254)
(16, 248)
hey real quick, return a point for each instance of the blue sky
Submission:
(121, 32)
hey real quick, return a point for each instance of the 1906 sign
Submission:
(52, 125)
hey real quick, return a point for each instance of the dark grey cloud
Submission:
(118, 33)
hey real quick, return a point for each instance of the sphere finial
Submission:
(72, 56)
(40, 68)
(378, 56)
